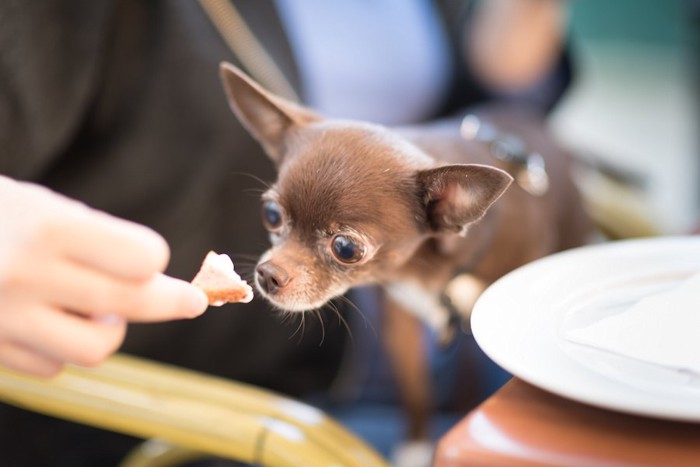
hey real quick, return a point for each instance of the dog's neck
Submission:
(440, 283)
(439, 258)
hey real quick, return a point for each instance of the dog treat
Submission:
(220, 282)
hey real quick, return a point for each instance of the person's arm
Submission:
(71, 277)
(511, 44)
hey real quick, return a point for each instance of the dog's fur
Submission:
(422, 203)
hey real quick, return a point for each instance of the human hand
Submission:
(513, 44)
(71, 277)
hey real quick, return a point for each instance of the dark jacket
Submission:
(118, 104)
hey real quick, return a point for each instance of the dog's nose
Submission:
(271, 278)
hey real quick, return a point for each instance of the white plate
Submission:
(521, 322)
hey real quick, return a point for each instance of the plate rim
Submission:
(632, 405)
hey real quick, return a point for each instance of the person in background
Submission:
(121, 165)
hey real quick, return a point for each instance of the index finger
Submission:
(70, 286)
(111, 245)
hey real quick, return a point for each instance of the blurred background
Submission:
(633, 105)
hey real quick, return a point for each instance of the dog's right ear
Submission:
(266, 116)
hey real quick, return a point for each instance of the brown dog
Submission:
(411, 209)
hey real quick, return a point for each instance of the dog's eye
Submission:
(347, 250)
(272, 215)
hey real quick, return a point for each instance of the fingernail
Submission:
(198, 302)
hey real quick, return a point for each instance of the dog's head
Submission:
(352, 202)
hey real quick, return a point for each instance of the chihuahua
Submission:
(430, 213)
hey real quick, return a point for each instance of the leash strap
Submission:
(245, 46)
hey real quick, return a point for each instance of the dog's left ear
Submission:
(267, 116)
(455, 196)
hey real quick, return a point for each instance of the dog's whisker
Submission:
(317, 313)
(261, 248)
(341, 320)
(254, 191)
(245, 266)
(245, 263)
(354, 307)
(299, 328)
(246, 256)
(303, 327)
(267, 185)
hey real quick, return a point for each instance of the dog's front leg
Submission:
(402, 334)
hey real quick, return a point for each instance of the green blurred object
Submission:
(642, 21)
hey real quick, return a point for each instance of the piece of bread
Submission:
(220, 282)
